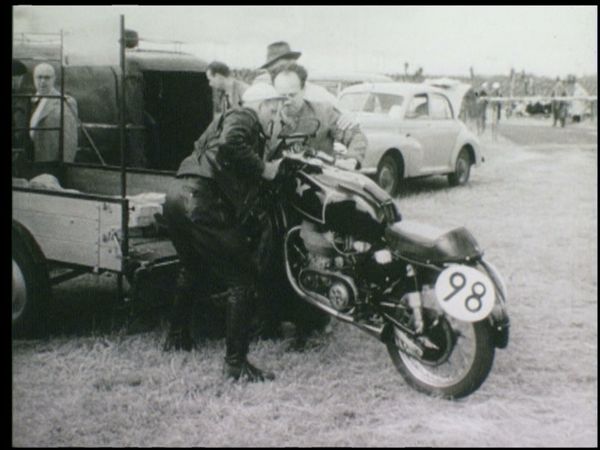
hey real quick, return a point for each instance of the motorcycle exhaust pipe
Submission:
(321, 302)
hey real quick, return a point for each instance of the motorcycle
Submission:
(429, 295)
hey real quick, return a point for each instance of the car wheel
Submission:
(30, 292)
(388, 175)
(462, 169)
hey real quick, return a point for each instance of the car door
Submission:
(444, 132)
(417, 123)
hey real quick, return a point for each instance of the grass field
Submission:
(534, 211)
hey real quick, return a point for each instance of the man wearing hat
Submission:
(207, 214)
(279, 54)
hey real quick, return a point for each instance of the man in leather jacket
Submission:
(207, 211)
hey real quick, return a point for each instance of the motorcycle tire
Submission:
(420, 375)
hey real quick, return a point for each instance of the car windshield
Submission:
(373, 102)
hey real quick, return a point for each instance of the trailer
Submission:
(102, 212)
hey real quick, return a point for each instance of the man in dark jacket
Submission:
(207, 210)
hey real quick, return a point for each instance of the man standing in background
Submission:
(496, 107)
(46, 114)
(559, 107)
(482, 108)
(279, 54)
(228, 91)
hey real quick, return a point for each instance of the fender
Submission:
(498, 320)
(380, 141)
(467, 139)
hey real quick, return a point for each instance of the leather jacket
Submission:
(230, 151)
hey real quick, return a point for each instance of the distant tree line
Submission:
(523, 83)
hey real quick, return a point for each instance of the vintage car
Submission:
(413, 131)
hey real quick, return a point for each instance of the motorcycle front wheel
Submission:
(458, 359)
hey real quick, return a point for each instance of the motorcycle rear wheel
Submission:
(456, 375)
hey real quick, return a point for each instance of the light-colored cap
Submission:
(261, 92)
(496, 85)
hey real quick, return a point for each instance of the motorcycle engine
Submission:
(322, 274)
(317, 242)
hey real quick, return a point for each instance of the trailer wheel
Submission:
(30, 291)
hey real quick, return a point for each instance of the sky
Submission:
(443, 40)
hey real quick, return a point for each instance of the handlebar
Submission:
(316, 160)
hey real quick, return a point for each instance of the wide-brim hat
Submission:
(277, 51)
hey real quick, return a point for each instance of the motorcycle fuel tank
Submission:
(312, 194)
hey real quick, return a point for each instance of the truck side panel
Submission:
(73, 230)
(107, 180)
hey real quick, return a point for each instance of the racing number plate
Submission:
(465, 293)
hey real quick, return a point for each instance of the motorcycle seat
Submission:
(425, 243)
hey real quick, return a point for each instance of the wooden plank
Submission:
(72, 230)
(67, 228)
(107, 181)
(110, 257)
(90, 255)
(69, 251)
(64, 206)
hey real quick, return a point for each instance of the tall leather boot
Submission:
(180, 336)
(237, 340)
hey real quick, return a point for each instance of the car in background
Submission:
(413, 131)
(335, 82)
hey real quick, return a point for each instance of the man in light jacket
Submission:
(46, 114)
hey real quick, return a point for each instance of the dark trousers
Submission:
(559, 113)
(213, 249)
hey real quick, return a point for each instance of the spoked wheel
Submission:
(451, 359)
(462, 169)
